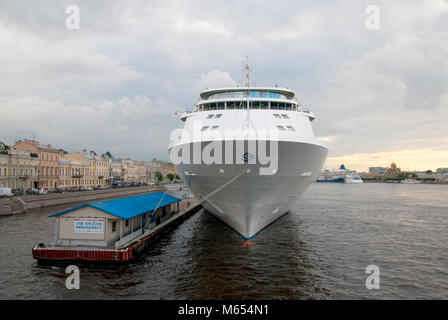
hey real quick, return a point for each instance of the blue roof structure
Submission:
(130, 207)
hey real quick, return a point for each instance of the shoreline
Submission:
(22, 204)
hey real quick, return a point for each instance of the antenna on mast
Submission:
(247, 69)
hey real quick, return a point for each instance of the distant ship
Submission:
(410, 181)
(341, 175)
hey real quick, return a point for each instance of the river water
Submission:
(320, 250)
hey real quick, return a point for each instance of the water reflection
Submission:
(275, 266)
(319, 250)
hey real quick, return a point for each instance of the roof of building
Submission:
(129, 207)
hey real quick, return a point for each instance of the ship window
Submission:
(220, 105)
(277, 115)
(231, 105)
(285, 116)
(264, 105)
(206, 107)
(288, 106)
(274, 105)
(255, 104)
(212, 106)
(218, 116)
(214, 127)
(281, 128)
(290, 128)
(210, 116)
(240, 105)
(204, 128)
(281, 106)
(114, 226)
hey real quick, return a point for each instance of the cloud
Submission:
(216, 79)
(128, 126)
(116, 81)
(32, 65)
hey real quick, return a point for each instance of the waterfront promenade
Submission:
(23, 203)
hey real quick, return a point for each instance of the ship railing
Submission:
(300, 108)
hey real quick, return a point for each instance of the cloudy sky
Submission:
(380, 95)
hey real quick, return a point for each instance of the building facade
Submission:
(100, 167)
(18, 169)
(115, 171)
(130, 170)
(142, 172)
(48, 162)
(75, 171)
(442, 174)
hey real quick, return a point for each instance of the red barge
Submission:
(112, 231)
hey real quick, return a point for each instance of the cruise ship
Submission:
(248, 152)
(341, 175)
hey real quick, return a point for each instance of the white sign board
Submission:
(89, 225)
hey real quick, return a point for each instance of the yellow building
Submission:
(142, 172)
(100, 168)
(130, 170)
(75, 171)
(48, 161)
(18, 169)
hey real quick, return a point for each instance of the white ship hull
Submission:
(253, 201)
(258, 185)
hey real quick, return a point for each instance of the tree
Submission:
(403, 175)
(159, 176)
(170, 176)
(63, 151)
(108, 154)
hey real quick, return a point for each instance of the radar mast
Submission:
(247, 69)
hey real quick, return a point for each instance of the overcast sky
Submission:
(380, 95)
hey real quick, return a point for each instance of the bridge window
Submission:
(210, 116)
(218, 116)
(277, 116)
(255, 104)
(290, 128)
(285, 116)
(214, 127)
(281, 128)
(240, 105)
(204, 128)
